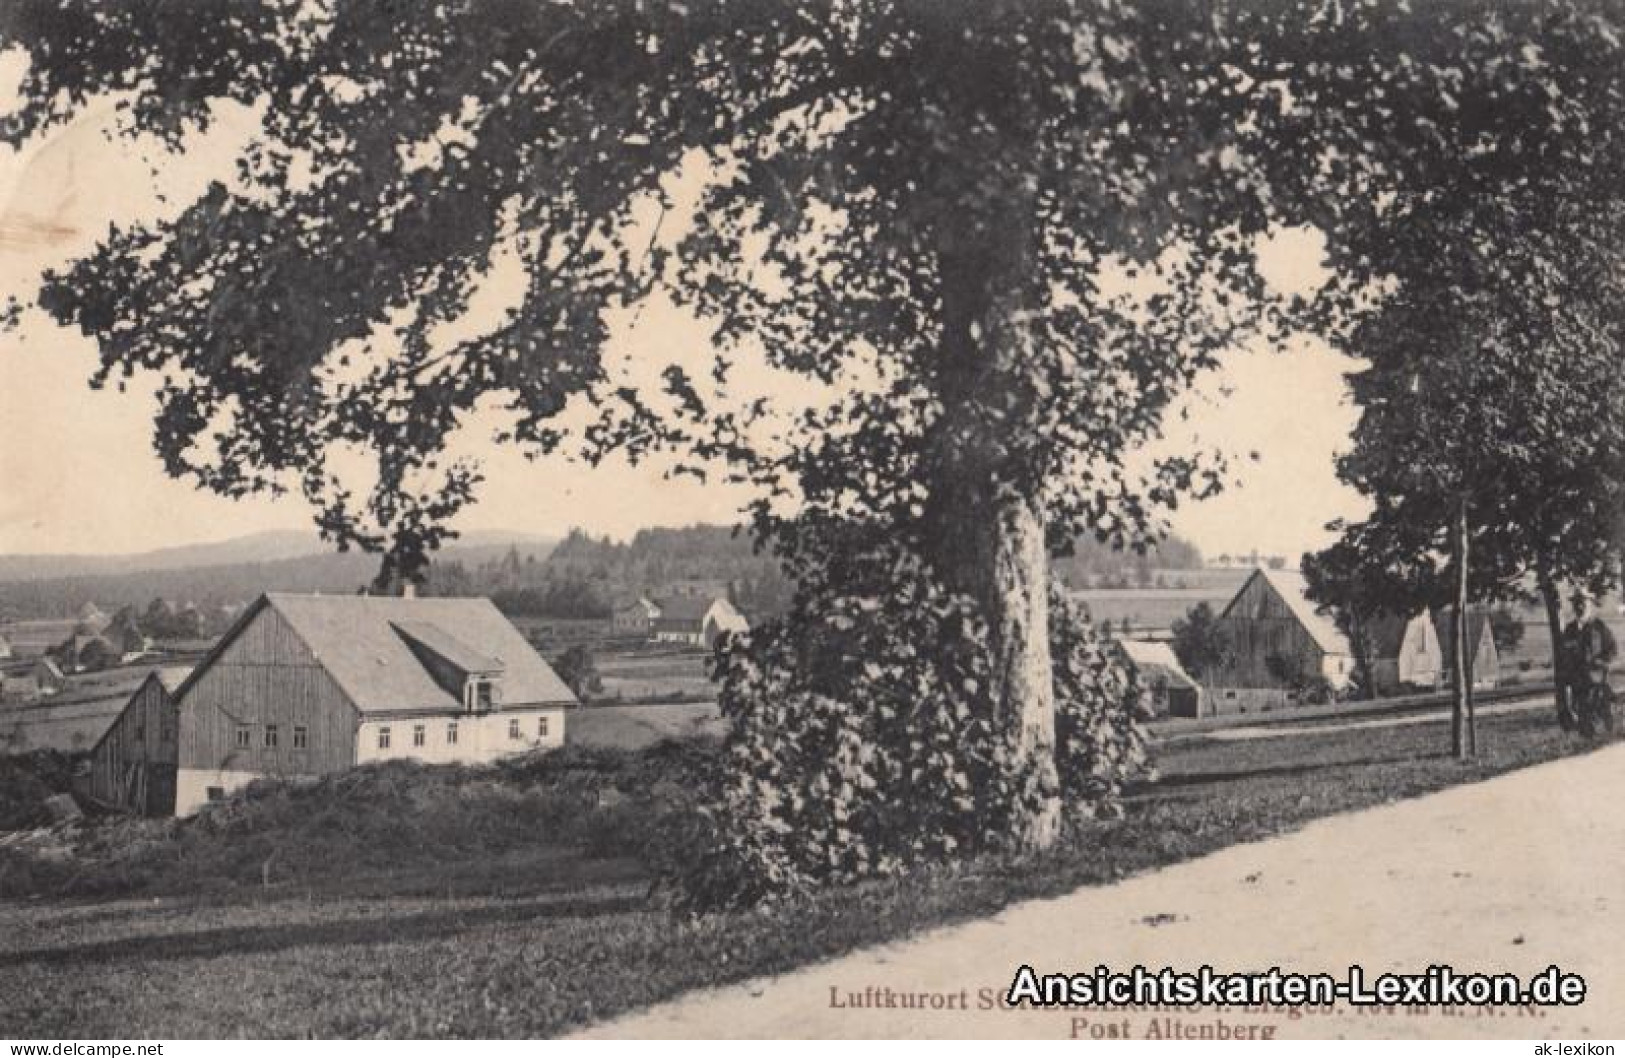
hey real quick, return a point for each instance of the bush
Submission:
(27, 780)
(862, 742)
(388, 817)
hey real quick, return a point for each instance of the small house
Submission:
(1405, 654)
(48, 677)
(635, 617)
(1172, 691)
(1280, 648)
(697, 620)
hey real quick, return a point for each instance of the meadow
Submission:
(382, 922)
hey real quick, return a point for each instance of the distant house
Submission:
(133, 766)
(5, 649)
(304, 685)
(1277, 645)
(1172, 691)
(697, 619)
(635, 617)
(1405, 654)
(48, 677)
(126, 635)
(1483, 655)
(86, 651)
(91, 619)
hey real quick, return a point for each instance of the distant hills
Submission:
(213, 574)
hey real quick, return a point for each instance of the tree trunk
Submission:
(995, 552)
(1462, 735)
(984, 528)
(1554, 626)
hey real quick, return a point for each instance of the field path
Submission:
(1508, 875)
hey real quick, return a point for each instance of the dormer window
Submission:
(481, 694)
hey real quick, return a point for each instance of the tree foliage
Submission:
(1198, 642)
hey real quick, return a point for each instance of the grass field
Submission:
(538, 940)
(637, 726)
(670, 676)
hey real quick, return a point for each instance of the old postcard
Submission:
(1041, 519)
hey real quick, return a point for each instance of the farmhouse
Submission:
(304, 685)
(697, 619)
(132, 768)
(1405, 654)
(1172, 691)
(1483, 658)
(634, 616)
(1278, 646)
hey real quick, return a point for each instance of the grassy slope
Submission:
(531, 945)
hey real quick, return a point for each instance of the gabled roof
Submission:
(1147, 655)
(357, 639)
(1293, 590)
(172, 676)
(684, 608)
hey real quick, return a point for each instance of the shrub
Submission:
(862, 742)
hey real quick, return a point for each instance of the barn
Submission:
(132, 768)
(1172, 691)
(697, 620)
(1484, 658)
(304, 685)
(1405, 654)
(1277, 645)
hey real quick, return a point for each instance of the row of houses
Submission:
(306, 685)
(1279, 649)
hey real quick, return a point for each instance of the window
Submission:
(420, 734)
(270, 736)
(383, 738)
(166, 729)
(301, 738)
(245, 737)
(215, 793)
(541, 727)
(140, 733)
(480, 695)
(513, 729)
(451, 734)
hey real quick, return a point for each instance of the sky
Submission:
(79, 474)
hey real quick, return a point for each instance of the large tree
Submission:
(1027, 222)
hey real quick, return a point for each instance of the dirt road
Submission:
(1509, 875)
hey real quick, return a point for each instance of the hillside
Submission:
(56, 586)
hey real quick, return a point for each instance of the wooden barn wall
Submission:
(1258, 625)
(133, 765)
(266, 675)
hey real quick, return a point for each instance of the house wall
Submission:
(1420, 663)
(264, 676)
(133, 766)
(480, 738)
